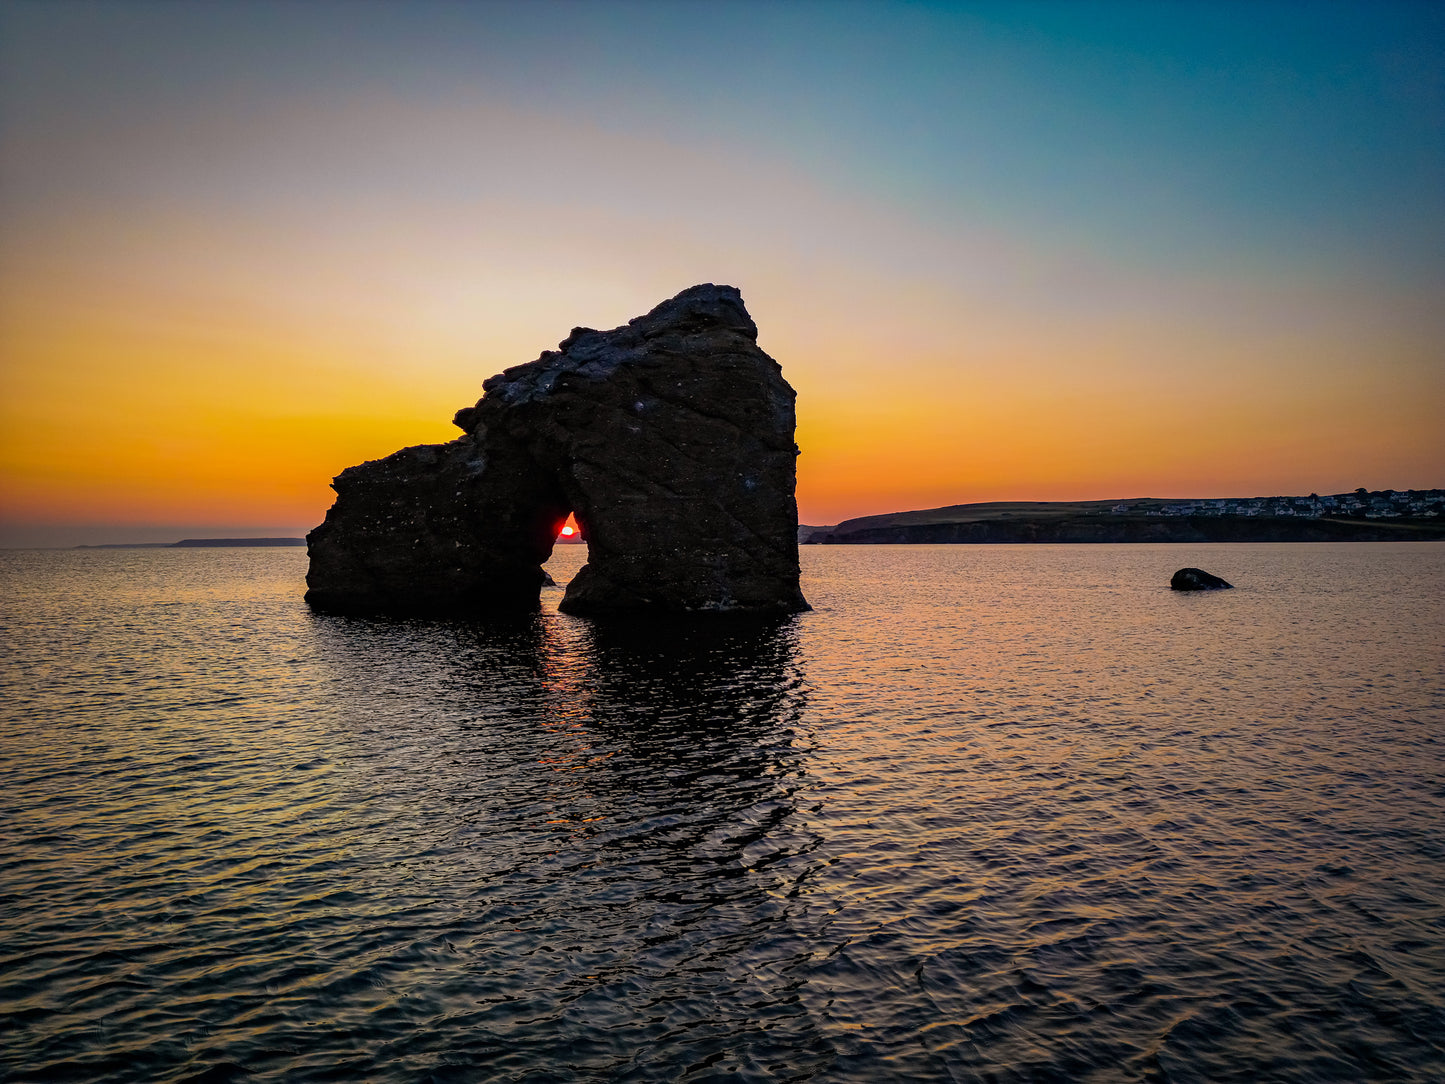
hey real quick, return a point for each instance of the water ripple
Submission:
(988, 814)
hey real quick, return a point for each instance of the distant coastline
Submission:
(1361, 516)
(197, 543)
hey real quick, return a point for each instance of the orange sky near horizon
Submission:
(129, 416)
(213, 301)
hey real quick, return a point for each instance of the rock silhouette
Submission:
(1196, 579)
(671, 441)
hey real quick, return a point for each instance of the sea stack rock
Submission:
(1196, 579)
(671, 441)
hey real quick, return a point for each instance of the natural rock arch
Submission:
(670, 439)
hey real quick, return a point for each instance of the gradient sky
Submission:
(1002, 251)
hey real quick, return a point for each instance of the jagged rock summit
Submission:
(670, 439)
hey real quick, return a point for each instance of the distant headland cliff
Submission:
(671, 441)
(1361, 516)
(199, 543)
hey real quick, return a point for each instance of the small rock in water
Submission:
(1196, 579)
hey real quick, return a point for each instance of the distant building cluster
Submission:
(1361, 504)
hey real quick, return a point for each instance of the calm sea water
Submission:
(994, 813)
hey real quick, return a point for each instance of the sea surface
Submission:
(987, 813)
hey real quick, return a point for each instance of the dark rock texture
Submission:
(670, 439)
(1196, 579)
